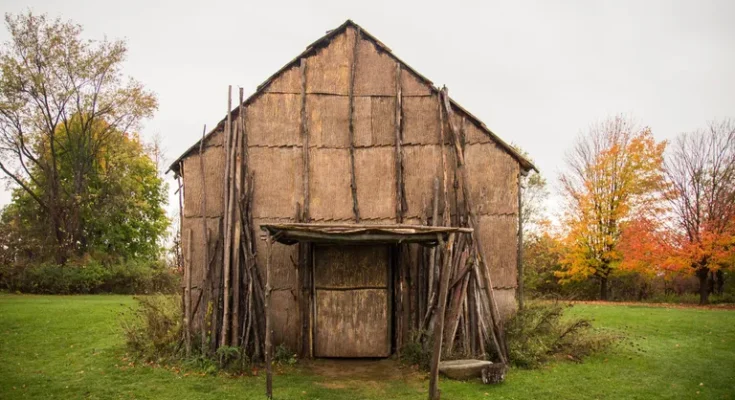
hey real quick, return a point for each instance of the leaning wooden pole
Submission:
(439, 324)
(479, 249)
(268, 311)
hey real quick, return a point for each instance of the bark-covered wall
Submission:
(276, 144)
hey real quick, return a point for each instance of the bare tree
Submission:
(701, 171)
(61, 95)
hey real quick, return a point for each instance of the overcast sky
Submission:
(537, 73)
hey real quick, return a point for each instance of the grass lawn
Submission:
(69, 347)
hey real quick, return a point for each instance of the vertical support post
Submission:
(268, 311)
(439, 324)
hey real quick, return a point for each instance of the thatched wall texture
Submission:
(276, 129)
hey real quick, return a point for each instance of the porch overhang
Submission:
(359, 233)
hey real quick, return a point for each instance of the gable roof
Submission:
(525, 164)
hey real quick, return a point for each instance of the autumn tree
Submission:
(63, 103)
(701, 172)
(613, 173)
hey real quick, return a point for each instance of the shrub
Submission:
(284, 355)
(540, 332)
(414, 352)
(153, 330)
(89, 276)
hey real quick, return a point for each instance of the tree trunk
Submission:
(703, 275)
(603, 288)
(719, 282)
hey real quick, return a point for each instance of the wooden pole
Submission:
(433, 275)
(268, 311)
(238, 190)
(466, 192)
(304, 248)
(205, 232)
(305, 142)
(353, 181)
(228, 221)
(187, 293)
(439, 324)
(398, 147)
(180, 261)
(445, 178)
(520, 245)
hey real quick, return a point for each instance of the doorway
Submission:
(352, 301)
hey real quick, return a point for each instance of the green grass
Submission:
(70, 347)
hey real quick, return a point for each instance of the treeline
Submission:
(652, 218)
(87, 210)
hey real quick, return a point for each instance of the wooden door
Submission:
(352, 302)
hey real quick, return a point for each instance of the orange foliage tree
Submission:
(614, 172)
(701, 172)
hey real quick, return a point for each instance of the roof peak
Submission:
(526, 164)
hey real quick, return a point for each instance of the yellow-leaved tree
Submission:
(614, 172)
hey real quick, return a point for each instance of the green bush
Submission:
(284, 356)
(540, 332)
(153, 330)
(414, 352)
(89, 277)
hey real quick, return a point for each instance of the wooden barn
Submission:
(351, 206)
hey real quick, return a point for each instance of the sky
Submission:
(538, 73)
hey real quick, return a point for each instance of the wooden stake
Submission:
(439, 325)
(353, 182)
(268, 311)
(474, 223)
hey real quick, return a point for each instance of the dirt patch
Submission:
(728, 306)
(356, 373)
